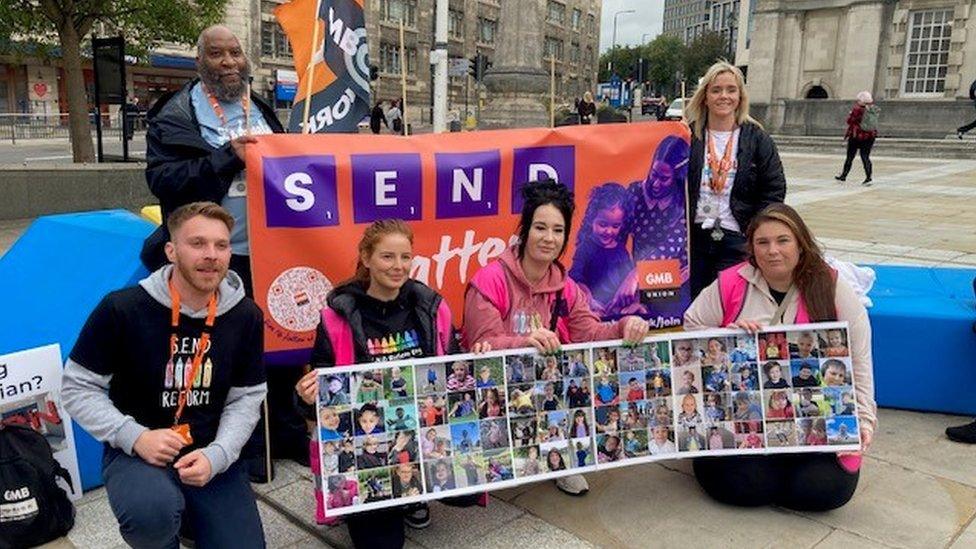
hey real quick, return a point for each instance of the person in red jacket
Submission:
(861, 133)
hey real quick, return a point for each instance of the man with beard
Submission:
(195, 150)
(169, 376)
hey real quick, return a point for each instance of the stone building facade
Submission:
(571, 35)
(896, 49)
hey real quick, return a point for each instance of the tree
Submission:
(701, 54)
(664, 55)
(66, 24)
(624, 60)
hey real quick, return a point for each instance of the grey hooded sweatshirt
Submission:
(119, 380)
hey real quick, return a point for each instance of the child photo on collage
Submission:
(773, 346)
(806, 372)
(776, 375)
(431, 378)
(803, 345)
(833, 342)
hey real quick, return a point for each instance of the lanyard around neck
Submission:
(219, 111)
(720, 168)
(202, 345)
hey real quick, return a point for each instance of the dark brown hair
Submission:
(812, 276)
(210, 210)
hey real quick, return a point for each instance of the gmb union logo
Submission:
(296, 298)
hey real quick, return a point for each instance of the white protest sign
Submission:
(415, 430)
(30, 395)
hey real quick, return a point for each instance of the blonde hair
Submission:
(696, 112)
(588, 97)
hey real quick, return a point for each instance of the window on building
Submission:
(927, 52)
(455, 24)
(591, 23)
(274, 42)
(267, 37)
(553, 48)
(574, 52)
(577, 19)
(390, 58)
(397, 10)
(487, 28)
(556, 12)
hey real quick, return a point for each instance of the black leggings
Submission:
(709, 257)
(863, 147)
(803, 482)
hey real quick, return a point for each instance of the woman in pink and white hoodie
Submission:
(525, 298)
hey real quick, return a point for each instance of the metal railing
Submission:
(23, 126)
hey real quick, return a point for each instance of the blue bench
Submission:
(923, 341)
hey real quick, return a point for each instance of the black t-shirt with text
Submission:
(127, 336)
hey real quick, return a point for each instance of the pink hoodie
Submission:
(529, 306)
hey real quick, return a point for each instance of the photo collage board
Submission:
(400, 432)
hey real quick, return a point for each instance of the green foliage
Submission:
(143, 23)
(664, 55)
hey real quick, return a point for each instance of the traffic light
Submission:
(479, 65)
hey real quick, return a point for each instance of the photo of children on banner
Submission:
(432, 378)
(803, 345)
(633, 415)
(776, 375)
(806, 372)
(440, 476)
(367, 386)
(433, 410)
(658, 383)
(399, 384)
(375, 443)
(773, 346)
(335, 390)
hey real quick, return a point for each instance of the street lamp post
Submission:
(640, 60)
(613, 44)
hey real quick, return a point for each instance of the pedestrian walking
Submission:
(862, 129)
(395, 117)
(972, 96)
(377, 116)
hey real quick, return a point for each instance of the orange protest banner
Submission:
(311, 196)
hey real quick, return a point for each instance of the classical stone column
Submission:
(517, 83)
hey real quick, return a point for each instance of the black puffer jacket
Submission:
(759, 180)
(181, 167)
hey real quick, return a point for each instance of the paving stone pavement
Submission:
(917, 488)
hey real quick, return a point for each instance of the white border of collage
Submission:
(626, 462)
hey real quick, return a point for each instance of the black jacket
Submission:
(351, 302)
(181, 167)
(759, 180)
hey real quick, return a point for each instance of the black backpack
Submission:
(33, 508)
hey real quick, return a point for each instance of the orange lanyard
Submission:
(219, 111)
(201, 346)
(720, 168)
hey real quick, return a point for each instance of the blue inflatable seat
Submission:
(923, 342)
(52, 278)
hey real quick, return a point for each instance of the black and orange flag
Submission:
(328, 42)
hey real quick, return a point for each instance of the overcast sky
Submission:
(647, 19)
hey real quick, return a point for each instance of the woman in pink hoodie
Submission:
(525, 298)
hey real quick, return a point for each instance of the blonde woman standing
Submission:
(734, 172)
